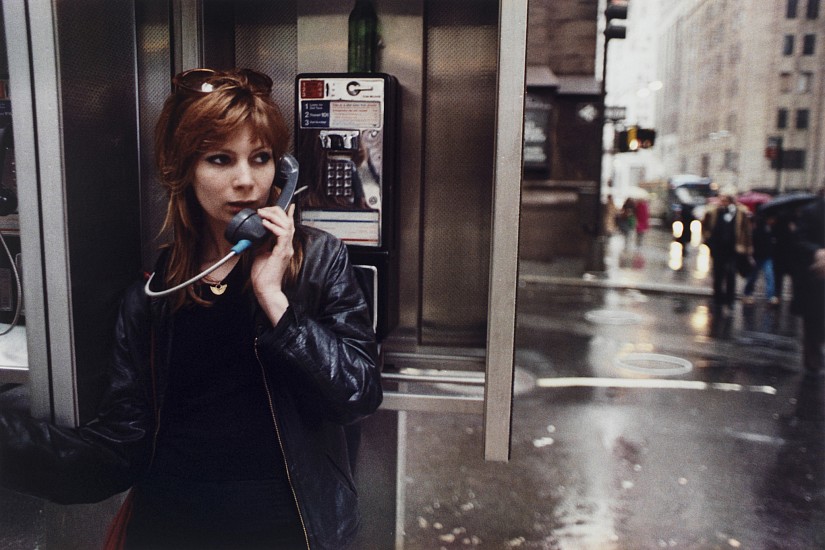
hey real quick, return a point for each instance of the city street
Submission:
(642, 420)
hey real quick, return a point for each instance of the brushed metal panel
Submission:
(322, 35)
(266, 39)
(98, 113)
(403, 20)
(459, 135)
(153, 35)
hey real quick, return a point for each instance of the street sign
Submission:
(615, 112)
(773, 147)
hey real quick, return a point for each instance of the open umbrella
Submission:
(785, 203)
(752, 199)
(637, 193)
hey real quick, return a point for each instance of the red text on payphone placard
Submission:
(312, 89)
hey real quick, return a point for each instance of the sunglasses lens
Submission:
(207, 80)
(195, 80)
(258, 81)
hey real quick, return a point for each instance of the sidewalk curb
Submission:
(660, 288)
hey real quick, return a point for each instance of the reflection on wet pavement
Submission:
(728, 453)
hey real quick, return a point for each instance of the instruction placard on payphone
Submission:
(341, 143)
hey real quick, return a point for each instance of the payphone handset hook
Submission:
(246, 227)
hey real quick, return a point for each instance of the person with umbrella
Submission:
(785, 208)
(764, 249)
(810, 303)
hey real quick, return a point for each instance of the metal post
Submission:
(780, 153)
(501, 313)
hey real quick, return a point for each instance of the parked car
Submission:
(687, 196)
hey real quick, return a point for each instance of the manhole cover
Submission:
(654, 364)
(613, 317)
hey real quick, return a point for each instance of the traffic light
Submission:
(616, 9)
(773, 148)
(620, 141)
(647, 137)
(634, 138)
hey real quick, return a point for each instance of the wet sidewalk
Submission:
(655, 264)
(642, 420)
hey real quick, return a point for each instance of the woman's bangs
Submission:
(264, 131)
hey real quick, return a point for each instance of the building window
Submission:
(813, 9)
(802, 119)
(808, 44)
(792, 159)
(785, 82)
(805, 82)
(782, 118)
(731, 161)
(792, 7)
(787, 45)
(732, 122)
(733, 87)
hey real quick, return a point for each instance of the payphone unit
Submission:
(345, 144)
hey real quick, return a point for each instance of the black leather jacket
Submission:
(320, 367)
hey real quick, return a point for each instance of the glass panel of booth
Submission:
(13, 348)
(480, 381)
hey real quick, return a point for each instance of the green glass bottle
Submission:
(363, 38)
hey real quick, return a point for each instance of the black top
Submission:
(723, 234)
(764, 240)
(322, 372)
(218, 476)
(216, 423)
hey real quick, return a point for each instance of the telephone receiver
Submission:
(248, 225)
(246, 228)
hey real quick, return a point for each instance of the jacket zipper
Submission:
(155, 405)
(281, 444)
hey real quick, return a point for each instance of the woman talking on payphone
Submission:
(226, 398)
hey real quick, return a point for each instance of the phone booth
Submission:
(417, 168)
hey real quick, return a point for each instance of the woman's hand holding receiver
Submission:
(270, 265)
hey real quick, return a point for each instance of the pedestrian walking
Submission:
(809, 302)
(764, 248)
(784, 256)
(225, 400)
(727, 233)
(627, 222)
(642, 220)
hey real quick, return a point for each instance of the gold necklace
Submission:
(216, 287)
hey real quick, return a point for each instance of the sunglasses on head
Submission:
(203, 81)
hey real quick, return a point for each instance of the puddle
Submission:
(654, 364)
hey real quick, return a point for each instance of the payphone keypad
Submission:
(339, 175)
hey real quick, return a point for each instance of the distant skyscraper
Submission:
(736, 74)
